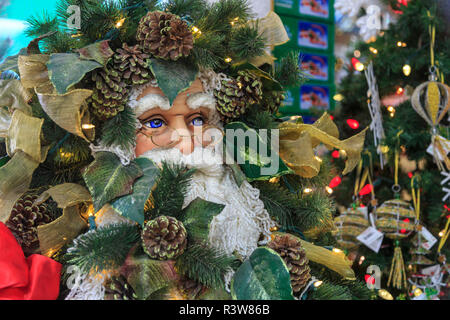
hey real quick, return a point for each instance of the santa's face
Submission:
(179, 125)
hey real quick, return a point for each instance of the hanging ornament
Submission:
(398, 273)
(431, 101)
(374, 105)
(349, 225)
(397, 219)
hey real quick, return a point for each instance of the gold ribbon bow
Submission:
(297, 143)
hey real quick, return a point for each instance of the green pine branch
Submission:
(168, 196)
(120, 130)
(287, 70)
(206, 265)
(103, 249)
(246, 42)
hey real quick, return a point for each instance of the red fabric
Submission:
(33, 278)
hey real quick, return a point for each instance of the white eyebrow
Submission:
(151, 101)
(200, 99)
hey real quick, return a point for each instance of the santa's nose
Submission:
(185, 142)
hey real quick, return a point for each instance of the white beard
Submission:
(239, 226)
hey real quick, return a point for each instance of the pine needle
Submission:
(168, 196)
(103, 249)
(206, 265)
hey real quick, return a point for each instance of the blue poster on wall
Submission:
(314, 96)
(313, 35)
(315, 66)
(315, 8)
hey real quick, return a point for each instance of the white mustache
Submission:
(206, 160)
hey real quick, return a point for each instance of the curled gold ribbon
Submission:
(56, 234)
(297, 143)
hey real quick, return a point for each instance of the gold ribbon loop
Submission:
(297, 142)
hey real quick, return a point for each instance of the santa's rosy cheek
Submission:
(143, 144)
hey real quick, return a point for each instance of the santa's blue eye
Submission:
(198, 122)
(154, 124)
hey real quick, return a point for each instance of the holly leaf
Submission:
(255, 155)
(198, 216)
(132, 206)
(98, 51)
(67, 69)
(173, 76)
(107, 178)
(263, 276)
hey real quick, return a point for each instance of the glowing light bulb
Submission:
(399, 44)
(88, 126)
(338, 97)
(120, 23)
(406, 69)
(196, 30)
(441, 234)
(274, 180)
(392, 114)
(417, 292)
(307, 190)
(335, 182)
(357, 65)
(373, 50)
(318, 283)
(336, 250)
(228, 60)
(400, 90)
(329, 190)
(391, 109)
(318, 159)
(352, 123)
(361, 260)
(385, 294)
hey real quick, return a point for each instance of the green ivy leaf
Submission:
(263, 276)
(10, 62)
(132, 206)
(67, 69)
(146, 276)
(107, 178)
(260, 163)
(98, 51)
(198, 216)
(173, 76)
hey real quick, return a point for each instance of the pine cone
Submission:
(251, 85)
(133, 64)
(25, 218)
(165, 35)
(273, 101)
(117, 288)
(110, 93)
(230, 100)
(164, 238)
(290, 249)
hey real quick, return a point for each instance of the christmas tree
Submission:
(409, 52)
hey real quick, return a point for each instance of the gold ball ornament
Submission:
(396, 219)
(350, 224)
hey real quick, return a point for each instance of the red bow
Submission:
(33, 278)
